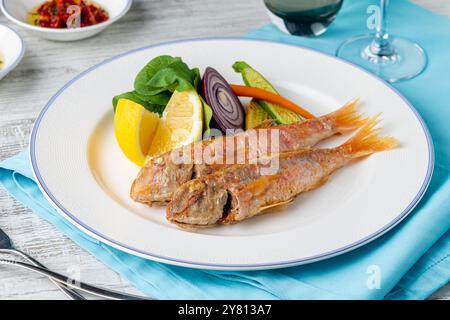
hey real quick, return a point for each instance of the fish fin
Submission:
(347, 118)
(273, 205)
(367, 140)
(191, 227)
(266, 124)
(270, 208)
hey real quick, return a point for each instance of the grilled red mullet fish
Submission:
(240, 192)
(161, 176)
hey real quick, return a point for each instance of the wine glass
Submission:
(309, 18)
(392, 58)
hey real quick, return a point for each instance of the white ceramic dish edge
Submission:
(65, 34)
(18, 58)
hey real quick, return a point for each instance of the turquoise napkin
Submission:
(410, 262)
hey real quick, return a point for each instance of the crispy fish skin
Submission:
(311, 171)
(159, 186)
(203, 199)
(160, 177)
(250, 194)
(206, 198)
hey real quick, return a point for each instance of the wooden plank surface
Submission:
(26, 89)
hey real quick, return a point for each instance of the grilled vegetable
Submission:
(266, 96)
(255, 115)
(253, 78)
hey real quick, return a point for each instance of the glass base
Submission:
(405, 61)
(309, 29)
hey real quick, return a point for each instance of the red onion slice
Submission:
(228, 112)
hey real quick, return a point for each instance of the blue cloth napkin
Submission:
(410, 262)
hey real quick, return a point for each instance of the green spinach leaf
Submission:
(155, 103)
(132, 95)
(150, 69)
(165, 73)
(155, 83)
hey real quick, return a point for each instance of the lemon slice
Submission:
(135, 128)
(181, 123)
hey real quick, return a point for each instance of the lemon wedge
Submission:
(135, 128)
(181, 123)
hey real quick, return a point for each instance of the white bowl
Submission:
(17, 10)
(12, 49)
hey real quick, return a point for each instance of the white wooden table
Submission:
(25, 91)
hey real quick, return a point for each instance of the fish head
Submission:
(198, 202)
(158, 180)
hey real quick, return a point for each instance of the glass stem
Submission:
(381, 45)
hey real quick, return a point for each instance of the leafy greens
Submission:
(156, 82)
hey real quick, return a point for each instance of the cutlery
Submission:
(6, 246)
(109, 294)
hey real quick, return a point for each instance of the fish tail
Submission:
(347, 118)
(367, 140)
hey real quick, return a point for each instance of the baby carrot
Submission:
(260, 94)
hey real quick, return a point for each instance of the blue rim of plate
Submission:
(282, 264)
(4, 72)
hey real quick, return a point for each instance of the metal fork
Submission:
(109, 294)
(61, 281)
(6, 246)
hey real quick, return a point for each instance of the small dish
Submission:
(12, 49)
(17, 11)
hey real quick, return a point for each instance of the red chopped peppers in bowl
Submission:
(57, 14)
(64, 20)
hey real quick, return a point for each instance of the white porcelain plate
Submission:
(12, 49)
(84, 174)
